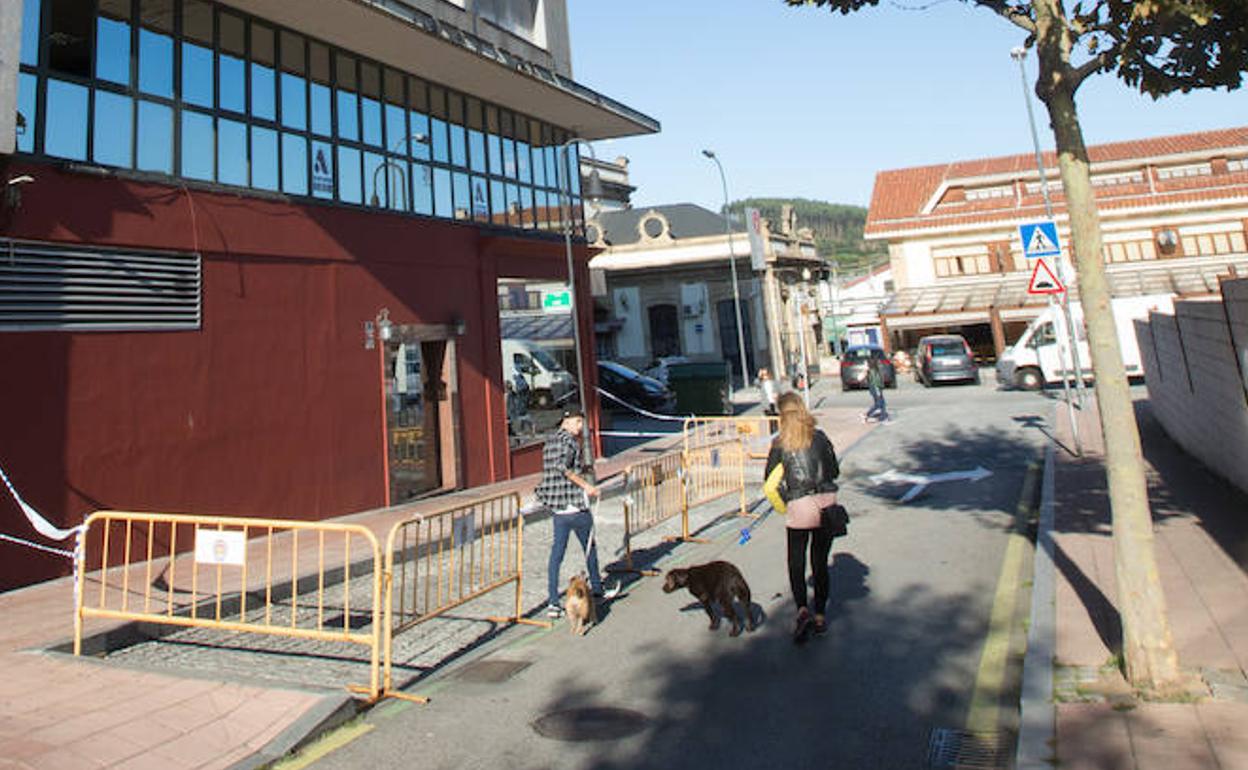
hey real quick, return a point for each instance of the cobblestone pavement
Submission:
(283, 661)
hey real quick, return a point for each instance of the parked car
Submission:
(660, 369)
(854, 366)
(945, 358)
(633, 387)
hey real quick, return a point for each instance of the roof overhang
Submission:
(412, 41)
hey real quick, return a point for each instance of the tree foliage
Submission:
(837, 227)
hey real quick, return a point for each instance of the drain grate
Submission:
(960, 749)
(590, 724)
(491, 671)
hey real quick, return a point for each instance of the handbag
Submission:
(771, 488)
(835, 519)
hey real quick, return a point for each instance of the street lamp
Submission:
(1019, 54)
(389, 164)
(732, 261)
(595, 192)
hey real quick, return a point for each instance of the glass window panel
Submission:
(498, 203)
(437, 102)
(348, 115)
(463, 198)
(231, 152)
(526, 207)
(509, 158)
(233, 34)
(293, 53)
(322, 115)
(349, 189)
(65, 128)
(513, 205)
(523, 161)
(473, 117)
(370, 118)
(318, 62)
(397, 190)
(539, 167)
(196, 75)
(157, 15)
(396, 129)
(113, 123)
(459, 146)
(262, 50)
(480, 199)
(30, 32)
(155, 63)
(422, 189)
(71, 22)
(231, 83)
(198, 145)
(418, 125)
(370, 80)
(263, 85)
(541, 211)
(294, 164)
(552, 166)
(112, 48)
(454, 108)
(197, 21)
(344, 70)
(294, 101)
(442, 205)
(155, 139)
(476, 150)
(441, 148)
(572, 161)
(375, 180)
(392, 87)
(417, 95)
(322, 170)
(27, 85)
(496, 154)
(263, 158)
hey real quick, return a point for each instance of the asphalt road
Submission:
(913, 589)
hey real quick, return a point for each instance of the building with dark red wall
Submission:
(245, 345)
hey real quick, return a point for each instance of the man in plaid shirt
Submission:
(565, 491)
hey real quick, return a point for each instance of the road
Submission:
(909, 653)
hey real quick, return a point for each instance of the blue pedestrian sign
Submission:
(1040, 239)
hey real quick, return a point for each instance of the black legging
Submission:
(820, 544)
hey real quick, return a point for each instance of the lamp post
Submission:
(1019, 54)
(594, 192)
(389, 164)
(732, 261)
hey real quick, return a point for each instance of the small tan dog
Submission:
(578, 602)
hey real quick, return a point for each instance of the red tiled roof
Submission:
(900, 195)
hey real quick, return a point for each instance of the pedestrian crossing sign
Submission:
(1040, 239)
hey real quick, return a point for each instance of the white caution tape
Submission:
(37, 546)
(43, 527)
(639, 410)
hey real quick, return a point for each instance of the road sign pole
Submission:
(1061, 355)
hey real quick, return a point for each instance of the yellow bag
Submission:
(771, 488)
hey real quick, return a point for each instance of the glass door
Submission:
(414, 387)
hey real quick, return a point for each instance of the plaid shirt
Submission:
(556, 491)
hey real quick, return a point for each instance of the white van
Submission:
(1036, 359)
(549, 383)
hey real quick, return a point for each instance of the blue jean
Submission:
(581, 522)
(878, 409)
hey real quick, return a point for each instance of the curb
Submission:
(332, 712)
(1037, 731)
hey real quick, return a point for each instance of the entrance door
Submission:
(664, 331)
(727, 313)
(414, 394)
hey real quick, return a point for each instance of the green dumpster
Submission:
(700, 388)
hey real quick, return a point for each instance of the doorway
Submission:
(726, 311)
(664, 331)
(418, 415)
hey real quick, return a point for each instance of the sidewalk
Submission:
(1200, 531)
(57, 711)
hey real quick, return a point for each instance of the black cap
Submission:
(572, 411)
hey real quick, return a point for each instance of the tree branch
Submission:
(1011, 13)
(1102, 60)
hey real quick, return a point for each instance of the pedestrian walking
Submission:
(808, 486)
(566, 491)
(767, 384)
(875, 385)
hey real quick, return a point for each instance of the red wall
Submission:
(272, 408)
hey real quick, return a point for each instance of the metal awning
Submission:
(547, 329)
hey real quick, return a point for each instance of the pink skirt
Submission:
(803, 513)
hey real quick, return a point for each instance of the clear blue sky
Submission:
(805, 103)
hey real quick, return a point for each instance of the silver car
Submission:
(945, 358)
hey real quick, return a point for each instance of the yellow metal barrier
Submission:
(654, 491)
(244, 576)
(439, 560)
(715, 471)
(754, 430)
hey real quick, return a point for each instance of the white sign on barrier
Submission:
(220, 547)
(464, 528)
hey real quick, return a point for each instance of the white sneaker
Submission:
(554, 611)
(609, 593)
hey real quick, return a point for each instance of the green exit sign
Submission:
(557, 301)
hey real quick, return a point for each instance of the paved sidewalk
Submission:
(1200, 532)
(57, 711)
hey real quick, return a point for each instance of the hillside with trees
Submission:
(837, 227)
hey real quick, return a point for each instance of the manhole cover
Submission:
(590, 724)
(961, 749)
(491, 671)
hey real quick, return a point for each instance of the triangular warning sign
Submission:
(1040, 243)
(1043, 281)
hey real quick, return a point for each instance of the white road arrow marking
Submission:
(920, 482)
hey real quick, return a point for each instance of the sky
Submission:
(801, 102)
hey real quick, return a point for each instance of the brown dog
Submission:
(719, 582)
(578, 602)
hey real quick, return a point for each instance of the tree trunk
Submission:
(1148, 648)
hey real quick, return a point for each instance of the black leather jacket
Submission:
(807, 472)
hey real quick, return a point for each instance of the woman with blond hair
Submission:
(808, 486)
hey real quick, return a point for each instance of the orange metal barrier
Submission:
(754, 430)
(715, 471)
(439, 560)
(243, 575)
(654, 491)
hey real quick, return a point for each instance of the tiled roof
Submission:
(685, 220)
(900, 195)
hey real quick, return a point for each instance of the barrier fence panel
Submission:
(439, 560)
(654, 491)
(715, 471)
(264, 576)
(754, 430)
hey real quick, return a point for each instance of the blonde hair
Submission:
(797, 424)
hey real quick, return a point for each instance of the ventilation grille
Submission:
(50, 287)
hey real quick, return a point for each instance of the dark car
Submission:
(633, 388)
(945, 358)
(854, 366)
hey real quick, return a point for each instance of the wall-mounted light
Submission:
(13, 191)
(381, 327)
(459, 326)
